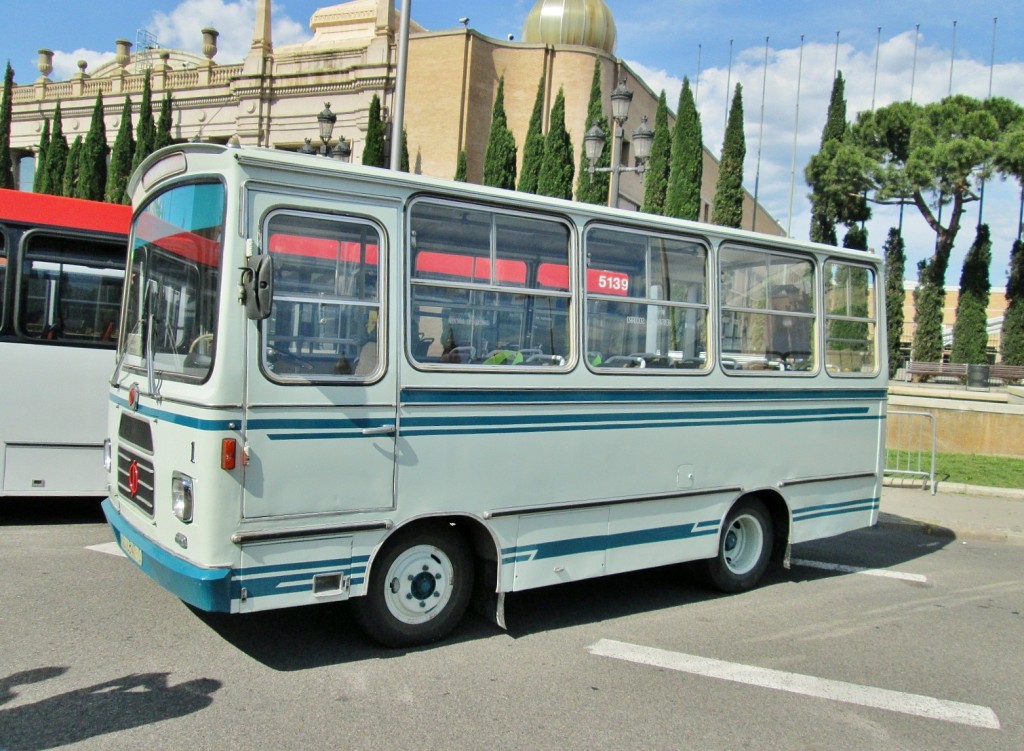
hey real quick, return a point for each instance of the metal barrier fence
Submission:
(911, 446)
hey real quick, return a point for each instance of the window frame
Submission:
(872, 321)
(814, 316)
(494, 259)
(334, 379)
(707, 306)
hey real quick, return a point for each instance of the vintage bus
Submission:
(61, 275)
(336, 382)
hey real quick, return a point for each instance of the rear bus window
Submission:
(850, 320)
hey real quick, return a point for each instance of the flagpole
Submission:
(796, 131)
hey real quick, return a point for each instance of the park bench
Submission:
(1005, 373)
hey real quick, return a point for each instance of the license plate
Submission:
(131, 550)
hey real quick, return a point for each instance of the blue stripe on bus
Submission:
(594, 543)
(179, 419)
(834, 509)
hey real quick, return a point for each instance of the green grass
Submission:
(972, 469)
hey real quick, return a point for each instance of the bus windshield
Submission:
(170, 298)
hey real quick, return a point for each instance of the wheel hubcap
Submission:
(419, 584)
(744, 541)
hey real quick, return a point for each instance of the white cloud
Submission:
(181, 28)
(895, 73)
(65, 64)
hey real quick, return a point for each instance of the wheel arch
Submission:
(781, 518)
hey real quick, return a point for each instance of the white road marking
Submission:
(858, 570)
(110, 548)
(822, 688)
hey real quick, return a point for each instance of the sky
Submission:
(784, 53)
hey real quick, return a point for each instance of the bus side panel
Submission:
(825, 509)
(60, 434)
(559, 547)
(295, 572)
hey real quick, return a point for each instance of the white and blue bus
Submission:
(337, 382)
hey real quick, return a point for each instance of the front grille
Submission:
(135, 479)
(136, 431)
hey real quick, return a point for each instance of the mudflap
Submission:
(487, 601)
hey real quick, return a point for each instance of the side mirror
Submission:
(258, 287)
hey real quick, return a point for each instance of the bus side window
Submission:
(325, 315)
(3, 274)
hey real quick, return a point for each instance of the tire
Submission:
(420, 585)
(744, 548)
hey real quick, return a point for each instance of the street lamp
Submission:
(325, 121)
(594, 141)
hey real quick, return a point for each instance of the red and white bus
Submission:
(61, 273)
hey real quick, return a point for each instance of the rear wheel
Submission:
(744, 548)
(419, 588)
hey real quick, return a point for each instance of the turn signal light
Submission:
(228, 448)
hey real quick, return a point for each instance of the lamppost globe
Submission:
(643, 138)
(593, 144)
(326, 120)
(621, 98)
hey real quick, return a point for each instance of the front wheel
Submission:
(419, 588)
(744, 548)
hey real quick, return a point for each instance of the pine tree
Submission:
(970, 331)
(687, 171)
(69, 182)
(594, 188)
(462, 168)
(556, 172)
(6, 109)
(660, 162)
(145, 131)
(895, 266)
(500, 157)
(533, 146)
(92, 174)
(121, 158)
(728, 208)
(163, 126)
(374, 153)
(1012, 349)
(41, 176)
(56, 156)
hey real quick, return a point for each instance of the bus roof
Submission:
(41, 210)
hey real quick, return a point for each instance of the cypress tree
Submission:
(6, 108)
(69, 182)
(895, 265)
(687, 171)
(823, 212)
(660, 163)
(462, 168)
(856, 238)
(593, 188)
(163, 135)
(39, 181)
(500, 157)
(404, 152)
(533, 146)
(970, 331)
(556, 172)
(56, 156)
(728, 208)
(1012, 348)
(145, 131)
(121, 158)
(92, 175)
(929, 297)
(374, 153)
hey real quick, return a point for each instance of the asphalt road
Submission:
(927, 655)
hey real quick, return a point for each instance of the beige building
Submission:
(996, 310)
(272, 97)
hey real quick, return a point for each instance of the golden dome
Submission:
(584, 22)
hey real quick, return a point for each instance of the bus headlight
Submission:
(108, 454)
(182, 498)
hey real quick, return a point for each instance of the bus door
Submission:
(321, 403)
